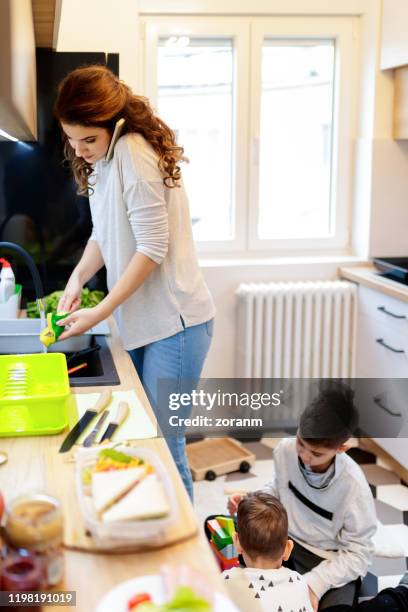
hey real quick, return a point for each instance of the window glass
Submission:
(195, 98)
(296, 134)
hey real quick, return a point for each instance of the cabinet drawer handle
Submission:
(391, 314)
(387, 346)
(379, 403)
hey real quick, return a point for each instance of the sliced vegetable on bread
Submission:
(124, 488)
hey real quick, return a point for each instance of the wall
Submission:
(223, 279)
(389, 182)
(381, 169)
(389, 202)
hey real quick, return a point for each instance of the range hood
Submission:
(18, 113)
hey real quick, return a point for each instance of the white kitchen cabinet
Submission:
(394, 54)
(382, 353)
(382, 335)
(394, 41)
(18, 113)
(384, 309)
(382, 408)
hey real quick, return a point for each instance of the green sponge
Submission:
(50, 334)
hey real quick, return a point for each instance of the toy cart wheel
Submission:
(244, 467)
(210, 475)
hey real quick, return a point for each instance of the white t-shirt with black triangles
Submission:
(274, 590)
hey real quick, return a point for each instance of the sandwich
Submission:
(145, 500)
(109, 487)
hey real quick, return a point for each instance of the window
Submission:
(263, 108)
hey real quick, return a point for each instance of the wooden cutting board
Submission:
(61, 480)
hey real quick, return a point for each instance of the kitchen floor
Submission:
(390, 495)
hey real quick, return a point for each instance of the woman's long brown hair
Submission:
(94, 96)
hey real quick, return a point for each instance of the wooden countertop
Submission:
(367, 275)
(30, 466)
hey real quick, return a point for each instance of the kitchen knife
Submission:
(90, 439)
(121, 416)
(85, 419)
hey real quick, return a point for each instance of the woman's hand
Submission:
(71, 298)
(314, 600)
(79, 322)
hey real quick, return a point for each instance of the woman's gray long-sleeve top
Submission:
(133, 211)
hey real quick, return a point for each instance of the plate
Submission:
(117, 599)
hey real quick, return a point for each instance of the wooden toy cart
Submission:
(215, 456)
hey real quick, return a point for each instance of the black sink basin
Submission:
(100, 370)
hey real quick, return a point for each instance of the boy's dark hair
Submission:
(262, 525)
(331, 418)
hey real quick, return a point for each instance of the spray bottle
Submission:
(7, 281)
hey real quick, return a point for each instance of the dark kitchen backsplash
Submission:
(39, 207)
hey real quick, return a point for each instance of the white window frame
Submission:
(323, 28)
(213, 27)
(248, 33)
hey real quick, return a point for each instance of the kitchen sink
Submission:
(21, 336)
(100, 370)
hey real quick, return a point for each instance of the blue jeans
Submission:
(180, 358)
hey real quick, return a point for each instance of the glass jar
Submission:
(22, 572)
(34, 522)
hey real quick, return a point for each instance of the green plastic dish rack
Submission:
(34, 394)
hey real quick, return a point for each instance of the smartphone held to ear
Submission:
(120, 124)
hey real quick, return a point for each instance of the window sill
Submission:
(230, 262)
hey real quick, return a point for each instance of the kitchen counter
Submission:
(32, 465)
(367, 275)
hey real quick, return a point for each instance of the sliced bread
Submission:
(108, 487)
(146, 500)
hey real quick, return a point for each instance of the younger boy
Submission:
(329, 503)
(262, 539)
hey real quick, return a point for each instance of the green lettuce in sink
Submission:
(88, 300)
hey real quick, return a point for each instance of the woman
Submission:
(141, 233)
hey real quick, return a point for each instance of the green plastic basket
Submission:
(34, 394)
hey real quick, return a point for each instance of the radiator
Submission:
(296, 330)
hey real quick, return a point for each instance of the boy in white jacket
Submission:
(330, 507)
(262, 540)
